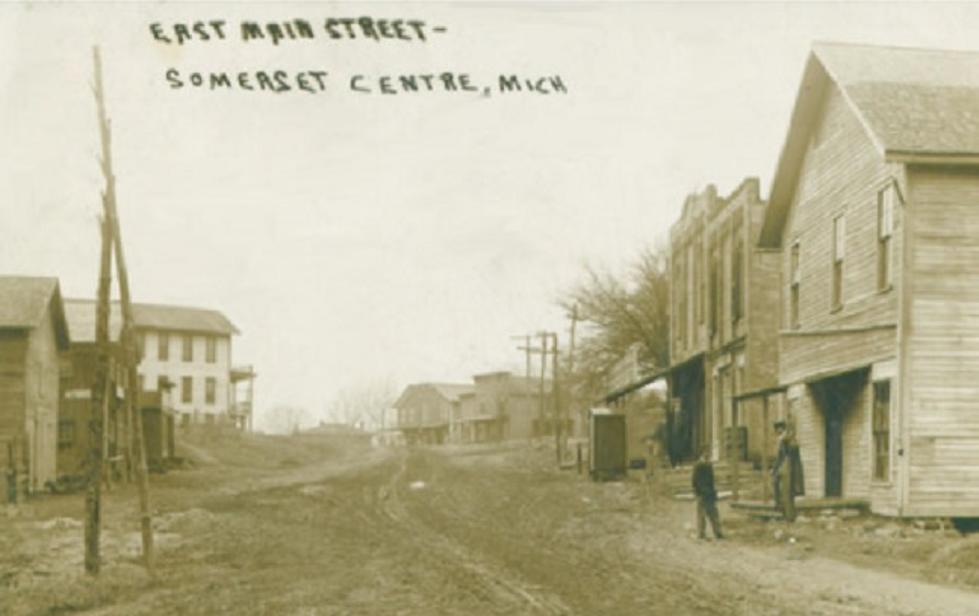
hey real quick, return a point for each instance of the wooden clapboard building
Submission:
(723, 289)
(875, 208)
(78, 378)
(33, 333)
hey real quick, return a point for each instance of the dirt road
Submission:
(477, 531)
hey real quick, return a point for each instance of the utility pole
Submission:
(543, 370)
(93, 493)
(555, 393)
(127, 337)
(572, 401)
(527, 349)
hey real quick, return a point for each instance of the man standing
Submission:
(703, 490)
(787, 478)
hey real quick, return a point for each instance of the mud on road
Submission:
(472, 531)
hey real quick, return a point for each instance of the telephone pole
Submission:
(93, 493)
(555, 393)
(127, 337)
(543, 371)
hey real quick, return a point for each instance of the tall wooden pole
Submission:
(93, 493)
(127, 336)
(557, 399)
(543, 371)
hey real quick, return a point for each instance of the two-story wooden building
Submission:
(33, 334)
(875, 209)
(723, 288)
(506, 407)
(426, 411)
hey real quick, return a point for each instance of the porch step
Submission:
(753, 507)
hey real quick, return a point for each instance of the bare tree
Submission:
(288, 419)
(365, 406)
(618, 313)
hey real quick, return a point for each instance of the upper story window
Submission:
(715, 298)
(211, 349)
(186, 389)
(885, 230)
(737, 270)
(163, 346)
(701, 282)
(681, 290)
(794, 279)
(140, 345)
(839, 252)
(210, 389)
(187, 347)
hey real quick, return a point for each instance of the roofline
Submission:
(932, 158)
(234, 328)
(818, 74)
(816, 43)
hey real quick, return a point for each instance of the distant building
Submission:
(189, 350)
(32, 334)
(505, 407)
(426, 410)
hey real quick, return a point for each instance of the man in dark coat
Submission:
(787, 478)
(706, 495)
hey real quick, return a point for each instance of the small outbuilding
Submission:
(33, 333)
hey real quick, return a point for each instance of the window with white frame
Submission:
(885, 230)
(839, 252)
(794, 279)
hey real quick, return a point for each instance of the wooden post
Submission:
(127, 337)
(765, 478)
(555, 393)
(543, 370)
(106, 466)
(93, 493)
(736, 449)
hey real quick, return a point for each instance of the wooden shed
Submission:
(32, 334)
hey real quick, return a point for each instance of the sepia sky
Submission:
(355, 238)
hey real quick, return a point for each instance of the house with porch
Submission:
(874, 208)
(427, 410)
(723, 292)
(33, 334)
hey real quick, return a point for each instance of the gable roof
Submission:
(182, 318)
(452, 391)
(916, 105)
(24, 301)
(449, 391)
(81, 319)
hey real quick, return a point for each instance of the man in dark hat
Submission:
(787, 478)
(706, 495)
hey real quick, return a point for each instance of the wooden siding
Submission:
(806, 356)
(841, 175)
(43, 389)
(811, 436)
(943, 345)
(13, 354)
(762, 352)
(857, 445)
